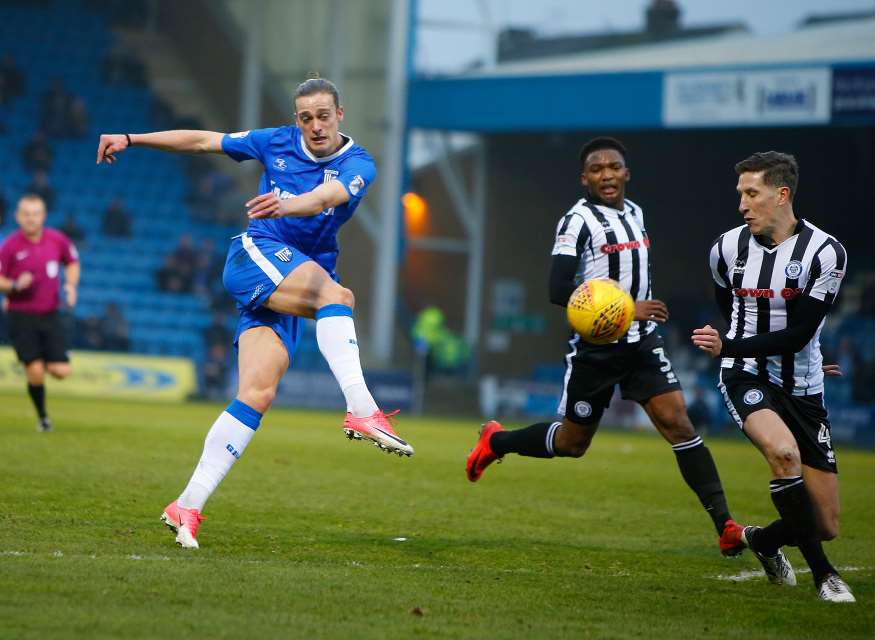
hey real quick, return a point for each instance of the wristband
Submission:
(128, 138)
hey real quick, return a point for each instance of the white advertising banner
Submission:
(751, 98)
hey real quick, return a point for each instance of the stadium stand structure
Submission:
(154, 186)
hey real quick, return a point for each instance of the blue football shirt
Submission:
(291, 169)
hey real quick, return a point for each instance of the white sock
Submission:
(225, 443)
(335, 334)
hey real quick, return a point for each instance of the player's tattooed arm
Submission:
(324, 197)
(178, 140)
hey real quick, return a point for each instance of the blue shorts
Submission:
(254, 269)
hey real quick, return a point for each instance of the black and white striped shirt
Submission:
(609, 244)
(763, 282)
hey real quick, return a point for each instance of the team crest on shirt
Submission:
(752, 397)
(356, 185)
(739, 265)
(280, 163)
(52, 268)
(583, 409)
(21, 255)
(793, 269)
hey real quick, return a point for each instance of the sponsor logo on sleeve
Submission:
(356, 185)
(566, 241)
(239, 134)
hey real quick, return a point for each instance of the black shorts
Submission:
(805, 416)
(640, 368)
(38, 336)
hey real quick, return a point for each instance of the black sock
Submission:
(535, 441)
(38, 395)
(698, 469)
(794, 504)
(769, 539)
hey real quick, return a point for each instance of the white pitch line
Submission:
(753, 574)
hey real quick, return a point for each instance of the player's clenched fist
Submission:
(708, 340)
(267, 205)
(109, 145)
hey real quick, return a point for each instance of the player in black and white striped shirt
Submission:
(776, 278)
(603, 236)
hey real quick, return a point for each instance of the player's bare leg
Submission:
(668, 413)
(793, 500)
(572, 440)
(823, 487)
(262, 360)
(58, 370)
(308, 291)
(35, 373)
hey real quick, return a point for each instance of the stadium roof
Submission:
(827, 43)
(639, 80)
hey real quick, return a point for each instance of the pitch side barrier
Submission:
(122, 376)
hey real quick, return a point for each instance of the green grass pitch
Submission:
(313, 536)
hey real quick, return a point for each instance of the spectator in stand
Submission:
(114, 328)
(88, 335)
(120, 67)
(218, 332)
(41, 187)
(217, 337)
(78, 118)
(73, 230)
(207, 276)
(11, 79)
(698, 409)
(37, 154)
(215, 370)
(55, 117)
(177, 273)
(116, 221)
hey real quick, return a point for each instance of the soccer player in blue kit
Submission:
(280, 271)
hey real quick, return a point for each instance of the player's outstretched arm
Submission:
(178, 140)
(325, 196)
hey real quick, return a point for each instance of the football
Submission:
(600, 311)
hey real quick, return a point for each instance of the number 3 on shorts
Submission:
(666, 363)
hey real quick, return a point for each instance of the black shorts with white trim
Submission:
(642, 369)
(805, 416)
